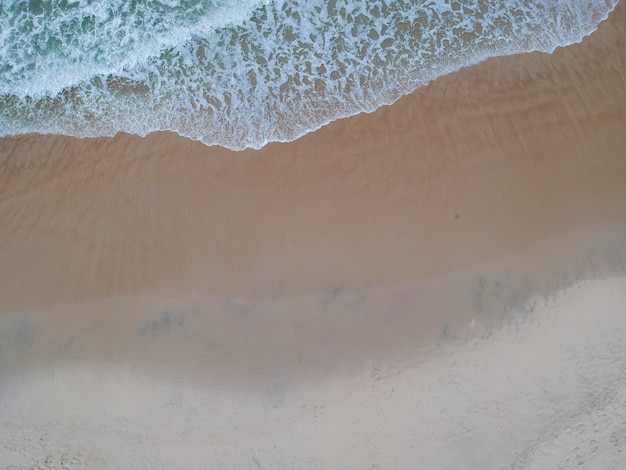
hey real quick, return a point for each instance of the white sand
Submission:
(547, 391)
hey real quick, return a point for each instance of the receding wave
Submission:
(244, 73)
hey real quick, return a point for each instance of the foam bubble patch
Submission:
(242, 74)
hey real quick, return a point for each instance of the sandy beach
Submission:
(441, 281)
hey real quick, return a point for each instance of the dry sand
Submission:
(441, 281)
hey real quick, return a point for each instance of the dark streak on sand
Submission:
(162, 324)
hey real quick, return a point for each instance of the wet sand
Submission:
(178, 294)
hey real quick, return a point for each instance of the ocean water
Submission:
(242, 73)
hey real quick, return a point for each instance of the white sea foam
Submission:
(50, 45)
(245, 74)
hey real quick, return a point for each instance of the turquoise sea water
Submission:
(242, 73)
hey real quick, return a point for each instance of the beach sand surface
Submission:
(442, 281)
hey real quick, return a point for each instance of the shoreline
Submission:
(462, 182)
(481, 162)
(474, 170)
(357, 224)
(442, 281)
(416, 45)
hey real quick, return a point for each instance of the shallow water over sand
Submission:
(244, 73)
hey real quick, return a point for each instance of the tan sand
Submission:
(164, 272)
(483, 162)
